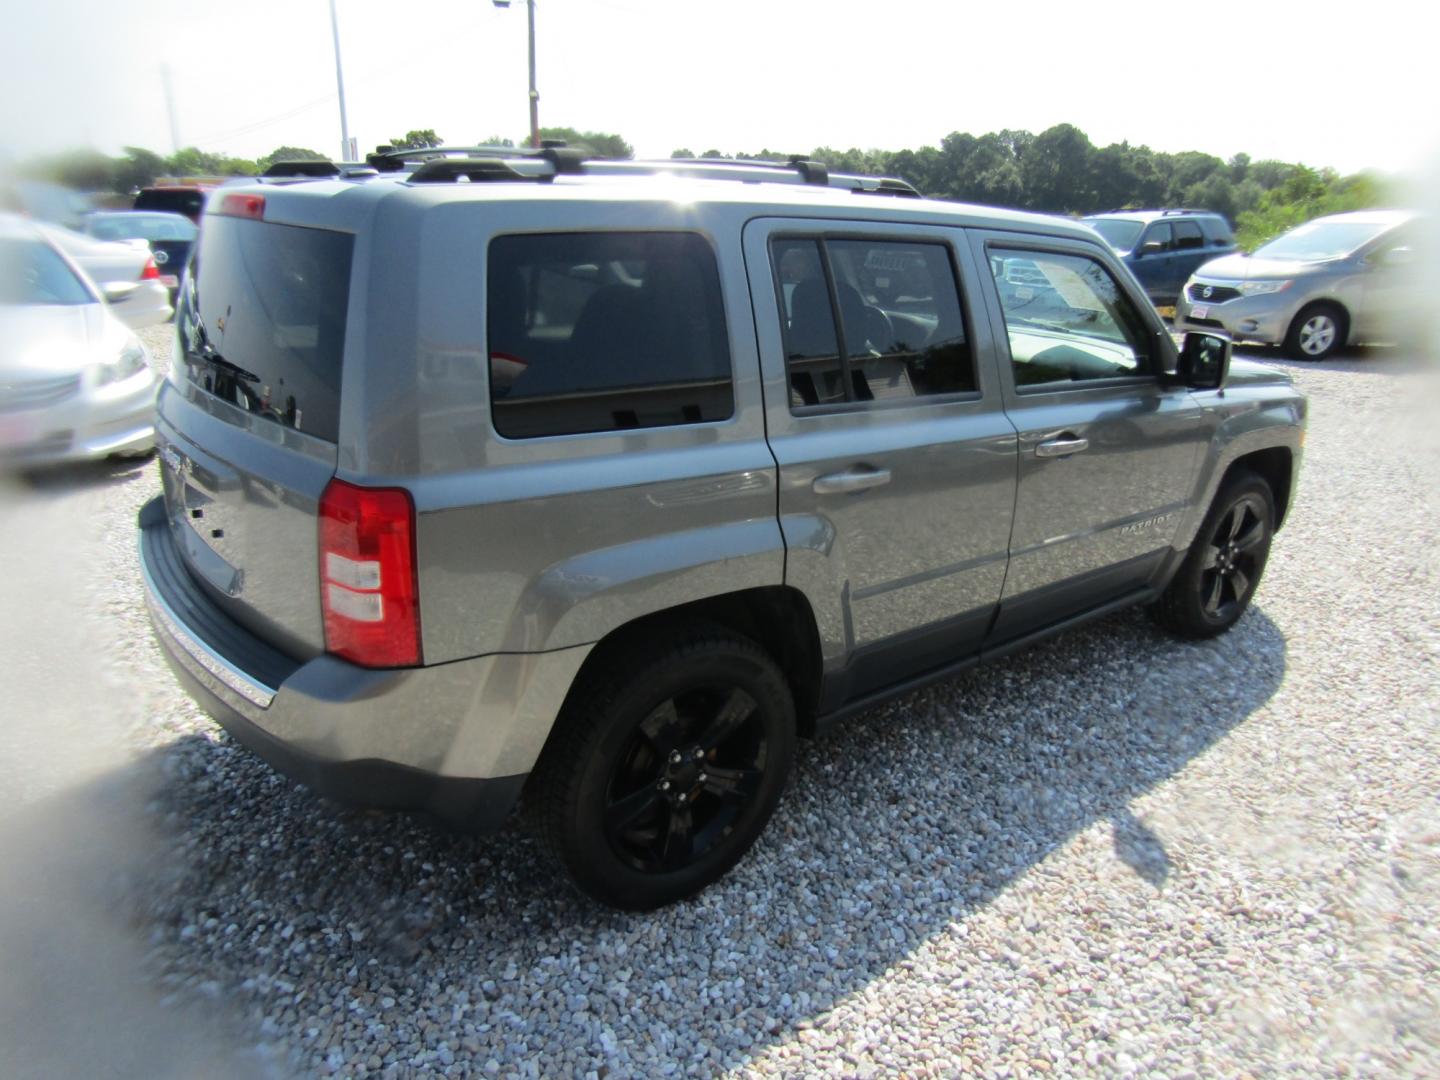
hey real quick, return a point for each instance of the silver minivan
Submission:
(600, 484)
(1345, 279)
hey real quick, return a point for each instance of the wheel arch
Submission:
(776, 617)
(1276, 466)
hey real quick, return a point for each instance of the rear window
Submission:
(605, 332)
(187, 201)
(262, 320)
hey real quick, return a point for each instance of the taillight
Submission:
(247, 206)
(367, 575)
(151, 271)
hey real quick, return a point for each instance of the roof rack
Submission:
(476, 164)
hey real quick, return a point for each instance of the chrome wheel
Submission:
(1317, 332)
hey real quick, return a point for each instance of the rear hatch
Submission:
(249, 421)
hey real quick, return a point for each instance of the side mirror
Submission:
(117, 292)
(1396, 256)
(1204, 361)
(1150, 247)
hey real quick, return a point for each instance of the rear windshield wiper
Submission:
(206, 353)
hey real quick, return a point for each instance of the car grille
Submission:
(1218, 293)
(37, 394)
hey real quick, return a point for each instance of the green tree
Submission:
(1056, 169)
(418, 139)
(1304, 195)
(288, 153)
(599, 143)
(83, 170)
(496, 140)
(682, 153)
(136, 169)
(192, 161)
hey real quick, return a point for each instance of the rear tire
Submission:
(1219, 576)
(666, 767)
(1317, 332)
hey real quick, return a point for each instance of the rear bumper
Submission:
(456, 740)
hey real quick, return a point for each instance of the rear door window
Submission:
(1187, 235)
(593, 332)
(900, 332)
(262, 320)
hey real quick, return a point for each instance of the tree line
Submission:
(1057, 171)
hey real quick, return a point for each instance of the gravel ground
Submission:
(1113, 853)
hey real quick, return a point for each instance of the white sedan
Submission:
(75, 382)
(125, 272)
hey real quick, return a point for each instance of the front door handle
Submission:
(1064, 446)
(842, 483)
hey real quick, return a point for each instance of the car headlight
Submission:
(131, 361)
(1260, 288)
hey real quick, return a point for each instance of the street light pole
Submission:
(534, 94)
(340, 84)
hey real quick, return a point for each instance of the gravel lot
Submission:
(1114, 853)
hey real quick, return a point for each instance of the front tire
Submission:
(1219, 576)
(666, 768)
(1317, 332)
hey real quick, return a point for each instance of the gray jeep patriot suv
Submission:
(599, 483)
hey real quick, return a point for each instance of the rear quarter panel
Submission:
(537, 544)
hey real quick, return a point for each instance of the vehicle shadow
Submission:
(925, 809)
(62, 479)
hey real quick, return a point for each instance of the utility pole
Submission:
(340, 85)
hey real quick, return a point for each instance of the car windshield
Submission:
(32, 273)
(142, 227)
(1118, 233)
(1321, 240)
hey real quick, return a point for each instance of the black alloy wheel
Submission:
(666, 765)
(693, 765)
(1218, 578)
(1233, 558)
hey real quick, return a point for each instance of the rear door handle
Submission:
(1064, 446)
(842, 483)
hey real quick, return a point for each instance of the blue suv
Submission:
(1163, 248)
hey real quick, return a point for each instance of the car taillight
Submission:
(368, 590)
(247, 206)
(151, 271)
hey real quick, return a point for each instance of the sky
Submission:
(1342, 85)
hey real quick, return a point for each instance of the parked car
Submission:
(602, 482)
(186, 199)
(140, 297)
(168, 236)
(1164, 247)
(75, 383)
(1345, 279)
